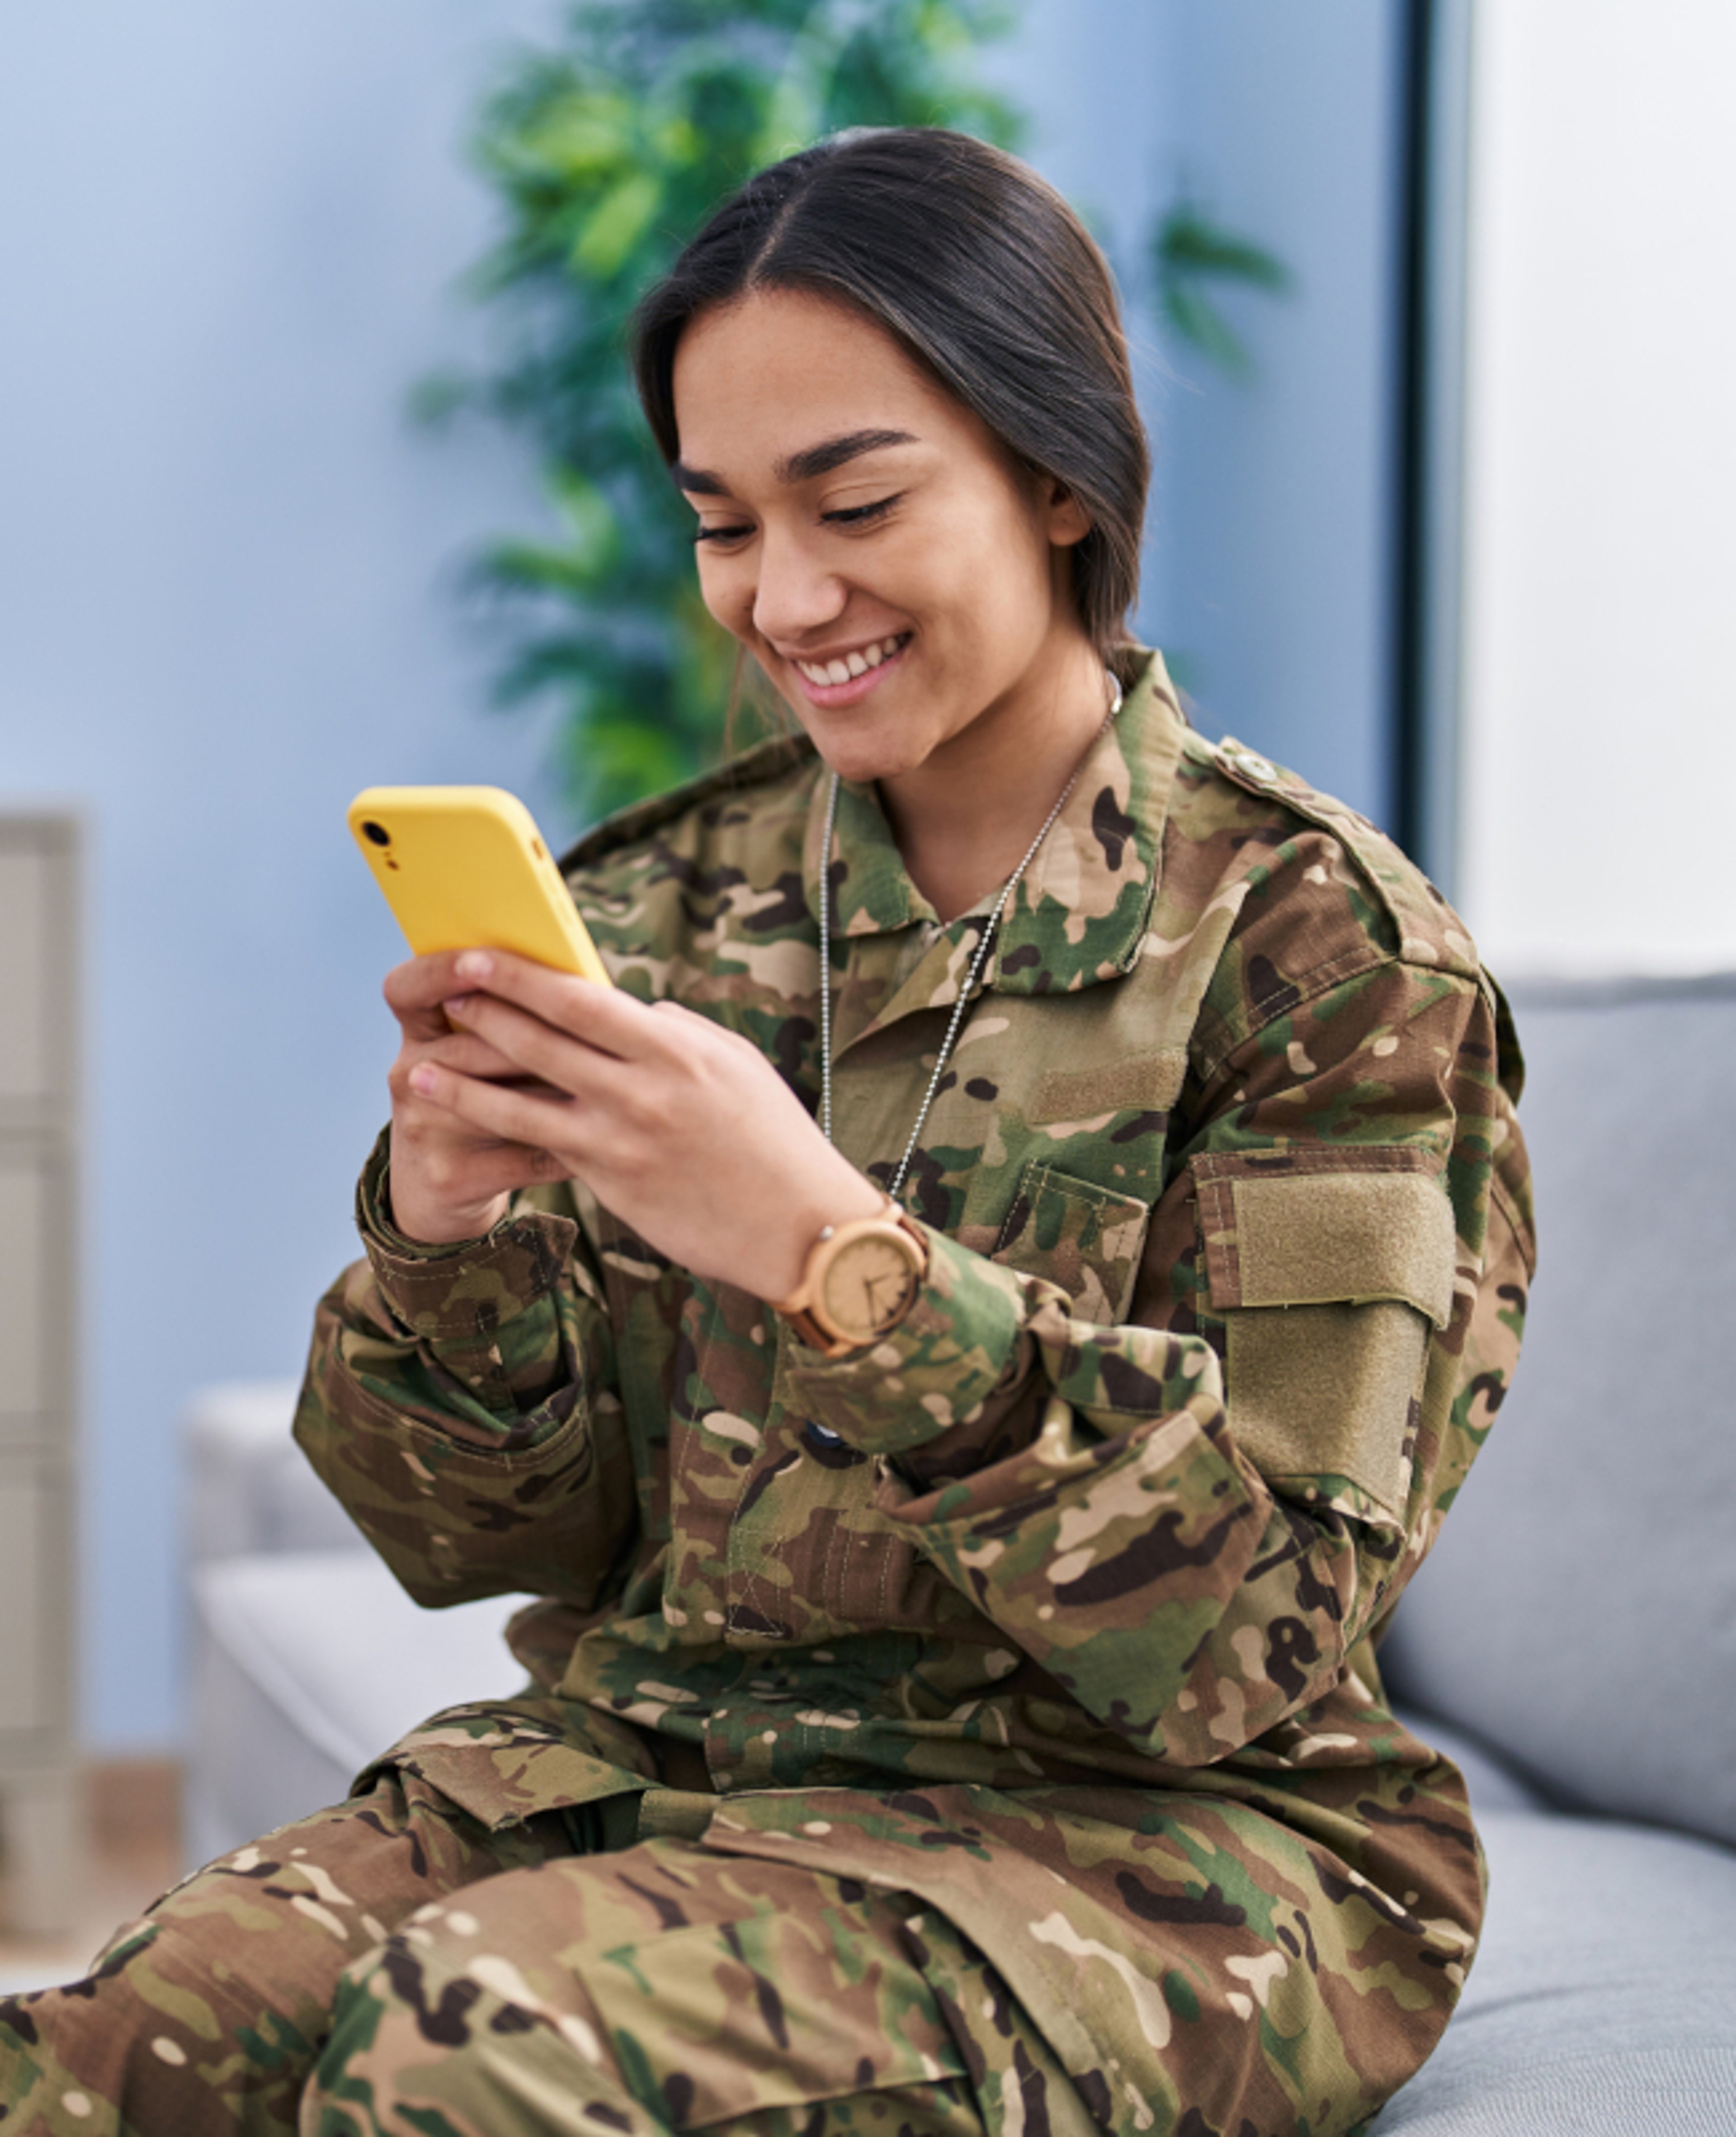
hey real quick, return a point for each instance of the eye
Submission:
(862, 515)
(721, 534)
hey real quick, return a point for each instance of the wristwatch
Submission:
(860, 1280)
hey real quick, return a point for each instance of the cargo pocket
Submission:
(506, 1760)
(1086, 1238)
(1327, 1269)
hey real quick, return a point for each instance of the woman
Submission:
(967, 1404)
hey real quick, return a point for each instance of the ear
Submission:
(1068, 522)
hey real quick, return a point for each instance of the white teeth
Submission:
(850, 665)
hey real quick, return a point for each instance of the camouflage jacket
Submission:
(1229, 1219)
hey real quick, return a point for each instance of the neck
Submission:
(965, 817)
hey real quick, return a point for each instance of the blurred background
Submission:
(315, 472)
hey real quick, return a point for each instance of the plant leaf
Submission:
(1189, 253)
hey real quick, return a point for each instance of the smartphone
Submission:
(464, 868)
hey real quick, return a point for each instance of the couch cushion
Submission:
(1602, 2003)
(1579, 1612)
(307, 1664)
(249, 1487)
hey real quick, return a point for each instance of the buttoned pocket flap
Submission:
(507, 1760)
(1086, 1238)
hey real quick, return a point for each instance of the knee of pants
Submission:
(653, 1991)
(161, 2036)
(418, 2040)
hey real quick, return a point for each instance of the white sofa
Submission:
(305, 1655)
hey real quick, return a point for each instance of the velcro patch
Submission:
(1150, 1082)
(1280, 1232)
(1326, 1391)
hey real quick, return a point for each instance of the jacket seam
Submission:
(1320, 979)
(1525, 1234)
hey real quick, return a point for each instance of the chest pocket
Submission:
(1328, 1269)
(1086, 1239)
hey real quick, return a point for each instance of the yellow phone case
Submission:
(464, 868)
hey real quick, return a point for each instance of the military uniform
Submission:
(1031, 1650)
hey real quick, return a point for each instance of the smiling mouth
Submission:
(828, 675)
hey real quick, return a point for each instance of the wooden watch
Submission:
(860, 1280)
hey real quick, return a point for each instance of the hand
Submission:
(449, 1180)
(513, 1073)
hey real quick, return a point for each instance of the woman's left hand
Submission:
(683, 1130)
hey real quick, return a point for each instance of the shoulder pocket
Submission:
(1086, 1238)
(1328, 1269)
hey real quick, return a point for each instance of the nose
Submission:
(796, 593)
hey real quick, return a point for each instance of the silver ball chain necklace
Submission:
(979, 957)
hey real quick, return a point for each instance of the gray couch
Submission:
(1572, 1642)
(1573, 1637)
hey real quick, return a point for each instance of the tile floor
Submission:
(133, 1806)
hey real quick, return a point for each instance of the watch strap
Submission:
(813, 1335)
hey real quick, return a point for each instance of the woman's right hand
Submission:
(449, 1180)
(682, 1129)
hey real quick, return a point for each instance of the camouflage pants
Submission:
(393, 1965)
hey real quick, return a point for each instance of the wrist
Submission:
(790, 1243)
(957, 1355)
(424, 1221)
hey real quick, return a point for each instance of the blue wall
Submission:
(1269, 557)
(229, 240)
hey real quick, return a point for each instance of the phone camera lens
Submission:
(377, 832)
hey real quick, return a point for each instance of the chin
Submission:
(864, 759)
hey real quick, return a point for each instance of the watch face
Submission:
(871, 1281)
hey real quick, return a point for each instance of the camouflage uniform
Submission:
(1041, 1634)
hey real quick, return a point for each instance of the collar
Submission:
(1078, 915)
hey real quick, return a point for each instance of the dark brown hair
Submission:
(985, 276)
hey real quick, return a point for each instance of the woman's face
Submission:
(868, 540)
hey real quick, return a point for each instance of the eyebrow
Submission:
(803, 466)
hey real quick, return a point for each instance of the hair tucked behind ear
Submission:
(983, 272)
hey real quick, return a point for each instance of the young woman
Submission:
(967, 1343)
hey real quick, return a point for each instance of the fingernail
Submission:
(475, 965)
(422, 1079)
(460, 1002)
